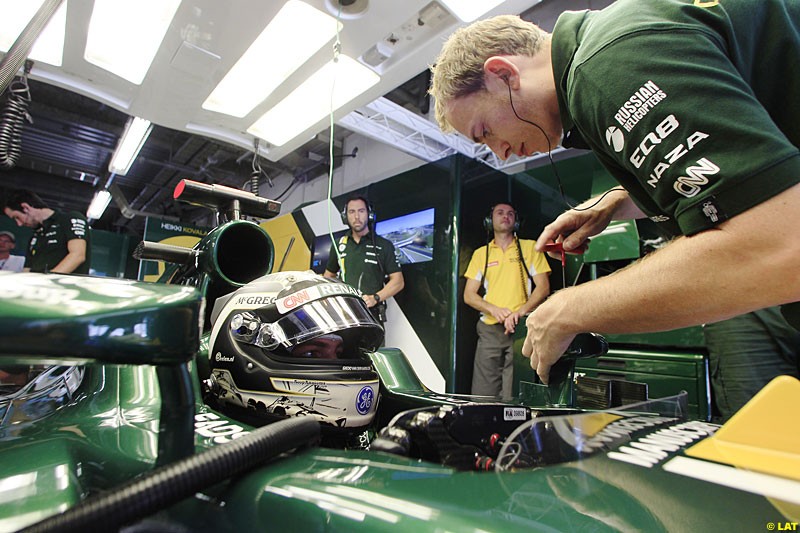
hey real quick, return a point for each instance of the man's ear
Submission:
(502, 70)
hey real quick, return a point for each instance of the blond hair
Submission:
(458, 71)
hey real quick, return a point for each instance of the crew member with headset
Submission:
(365, 260)
(515, 279)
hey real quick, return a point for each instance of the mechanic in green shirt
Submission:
(690, 104)
(364, 260)
(61, 242)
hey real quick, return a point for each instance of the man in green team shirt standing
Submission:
(690, 105)
(365, 260)
(61, 242)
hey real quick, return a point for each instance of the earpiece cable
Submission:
(552, 163)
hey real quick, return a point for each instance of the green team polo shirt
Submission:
(360, 261)
(505, 282)
(690, 104)
(48, 245)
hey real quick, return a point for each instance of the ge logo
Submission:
(366, 396)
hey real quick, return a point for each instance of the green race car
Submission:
(234, 399)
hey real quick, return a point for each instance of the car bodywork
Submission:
(112, 429)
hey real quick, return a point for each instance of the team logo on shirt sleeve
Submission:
(615, 138)
(78, 226)
(639, 105)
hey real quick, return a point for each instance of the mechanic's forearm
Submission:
(707, 277)
(69, 264)
(617, 204)
(621, 205)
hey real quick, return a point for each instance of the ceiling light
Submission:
(296, 33)
(328, 89)
(98, 206)
(49, 46)
(469, 10)
(124, 35)
(136, 132)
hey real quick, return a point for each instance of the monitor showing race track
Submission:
(411, 234)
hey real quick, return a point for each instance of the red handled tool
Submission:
(559, 247)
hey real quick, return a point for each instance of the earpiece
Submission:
(487, 223)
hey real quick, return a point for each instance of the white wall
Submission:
(375, 161)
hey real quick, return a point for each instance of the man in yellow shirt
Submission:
(516, 279)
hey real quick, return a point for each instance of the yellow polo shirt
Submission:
(505, 283)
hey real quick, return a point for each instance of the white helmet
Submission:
(294, 344)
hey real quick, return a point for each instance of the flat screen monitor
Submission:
(411, 234)
(322, 248)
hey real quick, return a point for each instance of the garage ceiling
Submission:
(77, 111)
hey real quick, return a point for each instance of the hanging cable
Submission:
(294, 182)
(337, 49)
(256, 173)
(12, 117)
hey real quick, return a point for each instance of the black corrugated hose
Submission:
(165, 486)
(12, 116)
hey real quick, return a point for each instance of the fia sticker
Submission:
(514, 413)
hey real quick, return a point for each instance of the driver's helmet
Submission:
(295, 344)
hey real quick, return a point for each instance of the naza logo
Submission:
(365, 399)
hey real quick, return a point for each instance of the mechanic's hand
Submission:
(511, 322)
(544, 344)
(369, 299)
(499, 313)
(573, 229)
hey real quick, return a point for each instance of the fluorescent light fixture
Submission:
(469, 10)
(296, 33)
(49, 47)
(124, 35)
(136, 132)
(98, 206)
(330, 88)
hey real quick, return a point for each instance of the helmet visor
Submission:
(338, 327)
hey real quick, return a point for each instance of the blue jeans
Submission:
(745, 353)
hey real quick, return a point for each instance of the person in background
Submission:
(61, 242)
(691, 122)
(365, 261)
(515, 279)
(13, 263)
